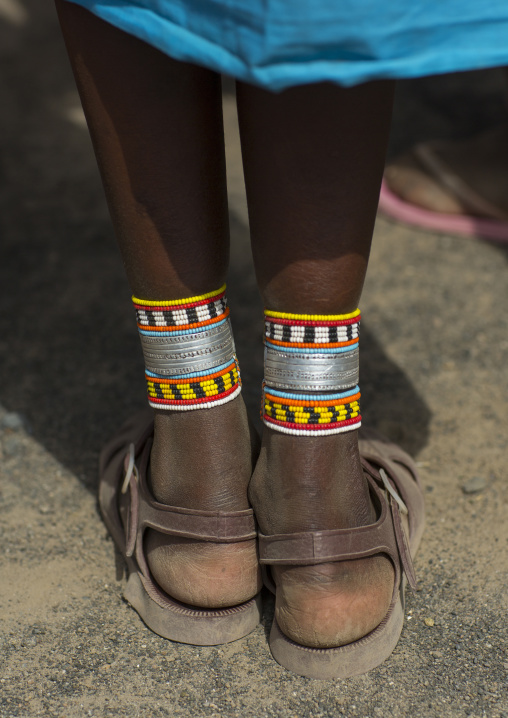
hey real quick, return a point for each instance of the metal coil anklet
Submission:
(190, 359)
(311, 373)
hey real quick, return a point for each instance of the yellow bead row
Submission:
(175, 302)
(317, 409)
(321, 420)
(312, 317)
(325, 414)
(186, 392)
(304, 418)
(300, 416)
(203, 384)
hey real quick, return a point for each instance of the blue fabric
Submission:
(279, 43)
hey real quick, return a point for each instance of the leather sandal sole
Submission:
(347, 661)
(161, 613)
(370, 651)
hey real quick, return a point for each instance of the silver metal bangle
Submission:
(311, 372)
(188, 353)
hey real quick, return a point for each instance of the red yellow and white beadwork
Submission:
(190, 360)
(311, 373)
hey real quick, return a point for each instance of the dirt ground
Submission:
(434, 353)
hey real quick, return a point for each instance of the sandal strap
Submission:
(370, 452)
(379, 453)
(389, 470)
(144, 512)
(310, 548)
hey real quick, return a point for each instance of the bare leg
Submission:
(313, 159)
(156, 126)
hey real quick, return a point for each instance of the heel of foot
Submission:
(332, 605)
(204, 574)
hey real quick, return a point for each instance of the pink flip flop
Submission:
(395, 208)
(491, 228)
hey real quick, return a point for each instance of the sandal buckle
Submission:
(130, 469)
(402, 506)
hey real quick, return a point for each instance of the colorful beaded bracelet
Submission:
(195, 390)
(173, 317)
(317, 353)
(189, 351)
(306, 333)
(313, 415)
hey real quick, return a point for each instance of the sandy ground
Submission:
(435, 348)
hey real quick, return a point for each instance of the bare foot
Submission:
(203, 460)
(307, 483)
(428, 175)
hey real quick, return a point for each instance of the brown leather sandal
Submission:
(395, 495)
(128, 508)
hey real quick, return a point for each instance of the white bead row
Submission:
(181, 316)
(313, 432)
(192, 407)
(321, 335)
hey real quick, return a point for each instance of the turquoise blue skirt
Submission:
(280, 43)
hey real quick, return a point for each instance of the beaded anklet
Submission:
(311, 373)
(190, 360)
